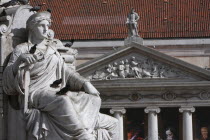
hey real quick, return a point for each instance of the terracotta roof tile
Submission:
(105, 19)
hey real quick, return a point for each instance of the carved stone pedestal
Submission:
(135, 39)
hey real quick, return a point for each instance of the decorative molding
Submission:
(152, 109)
(118, 110)
(6, 29)
(151, 96)
(204, 95)
(3, 28)
(188, 95)
(167, 96)
(135, 97)
(187, 109)
(114, 97)
(139, 67)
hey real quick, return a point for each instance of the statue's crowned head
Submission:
(38, 17)
(38, 25)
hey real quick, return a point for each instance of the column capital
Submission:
(187, 109)
(152, 109)
(118, 110)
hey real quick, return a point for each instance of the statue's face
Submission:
(41, 29)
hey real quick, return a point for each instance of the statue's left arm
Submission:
(137, 17)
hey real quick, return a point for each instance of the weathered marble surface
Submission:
(10, 36)
(52, 111)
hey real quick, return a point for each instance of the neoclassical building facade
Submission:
(152, 86)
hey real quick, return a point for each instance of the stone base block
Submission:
(135, 39)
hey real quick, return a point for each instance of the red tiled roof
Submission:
(105, 19)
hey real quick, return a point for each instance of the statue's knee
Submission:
(64, 99)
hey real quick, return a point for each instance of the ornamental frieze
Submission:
(139, 68)
(167, 96)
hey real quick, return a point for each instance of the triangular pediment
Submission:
(139, 62)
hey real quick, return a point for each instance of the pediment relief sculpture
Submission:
(137, 67)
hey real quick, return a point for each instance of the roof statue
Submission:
(132, 25)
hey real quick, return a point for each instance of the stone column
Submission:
(152, 122)
(187, 122)
(118, 114)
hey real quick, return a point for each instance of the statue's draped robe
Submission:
(74, 116)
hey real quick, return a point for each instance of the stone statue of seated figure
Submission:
(66, 110)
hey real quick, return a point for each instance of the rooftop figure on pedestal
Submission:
(132, 24)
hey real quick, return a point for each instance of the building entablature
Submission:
(138, 76)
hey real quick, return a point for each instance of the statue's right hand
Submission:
(28, 58)
(25, 59)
